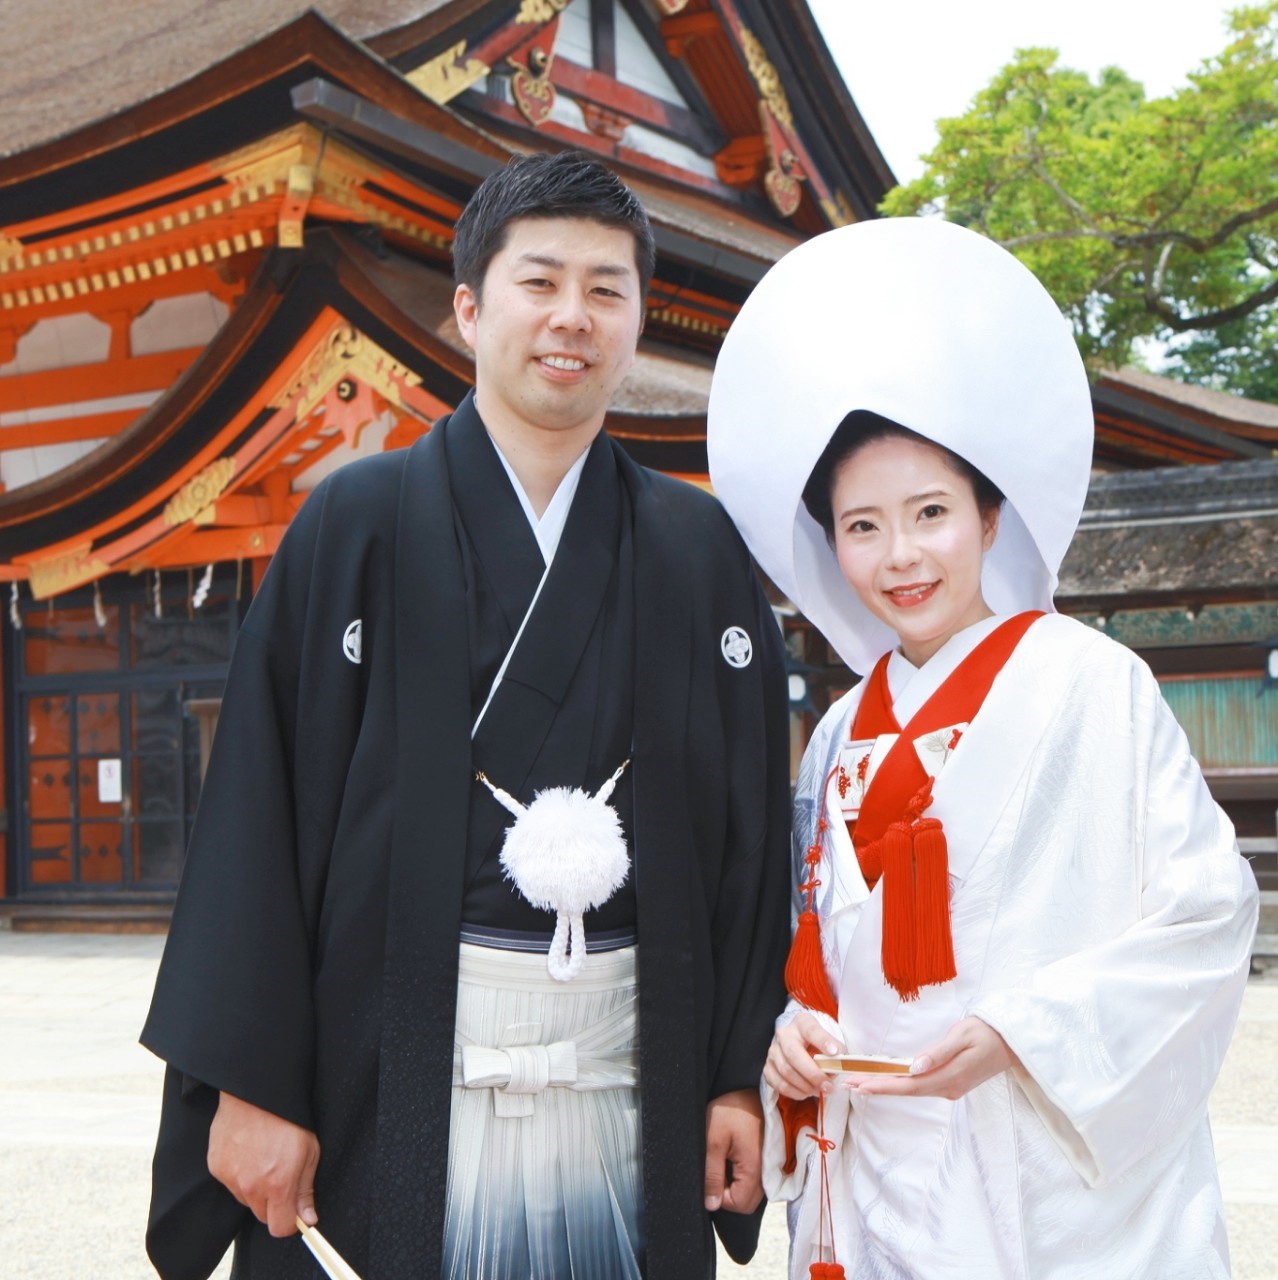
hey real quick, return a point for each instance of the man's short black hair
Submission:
(566, 184)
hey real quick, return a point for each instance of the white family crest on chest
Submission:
(736, 647)
(353, 642)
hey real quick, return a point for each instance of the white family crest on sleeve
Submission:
(353, 642)
(736, 647)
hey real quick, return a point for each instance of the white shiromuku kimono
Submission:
(1102, 923)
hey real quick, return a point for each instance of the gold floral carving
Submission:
(199, 493)
(64, 572)
(344, 352)
(539, 10)
(450, 73)
(766, 78)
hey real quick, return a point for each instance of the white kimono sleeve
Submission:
(1121, 1039)
(789, 1186)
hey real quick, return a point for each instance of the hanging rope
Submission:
(157, 592)
(202, 590)
(15, 614)
(99, 613)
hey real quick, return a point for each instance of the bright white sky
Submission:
(910, 62)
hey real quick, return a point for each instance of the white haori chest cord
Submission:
(566, 851)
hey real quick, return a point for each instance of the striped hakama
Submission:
(544, 1178)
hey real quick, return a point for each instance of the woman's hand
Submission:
(789, 1068)
(969, 1053)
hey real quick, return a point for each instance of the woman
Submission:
(1010, 876)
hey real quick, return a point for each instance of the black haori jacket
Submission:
(311, 967)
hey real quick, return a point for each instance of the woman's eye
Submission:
(932, 510)
(860, 526)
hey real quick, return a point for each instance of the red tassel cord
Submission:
(806, 978)
(918, 945)
(935, 941)
(796, 1115)
(896, 852)
(822, 1270)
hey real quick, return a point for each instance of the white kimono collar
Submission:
(911, 686)
(549, 527)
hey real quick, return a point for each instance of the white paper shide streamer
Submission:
(566, 853)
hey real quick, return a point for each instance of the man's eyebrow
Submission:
(541, 260)
(613, 270)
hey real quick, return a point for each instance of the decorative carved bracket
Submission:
(765, 77)
(534, 93)
(199, 493)
(64, 572)
(297, 199)
(344, 353)
(540, 10)
(785, 171)
(740, 163)
(448, 74)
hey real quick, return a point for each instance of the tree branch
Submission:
(1064, 196)
(1071, 233)
(1154, 280)
(1210, 319)
(1151, 238)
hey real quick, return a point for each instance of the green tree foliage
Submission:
(1143, 217)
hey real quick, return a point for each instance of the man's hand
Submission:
(789, 1068)
(265, 1162)
(734, 1136)
(969, 1053)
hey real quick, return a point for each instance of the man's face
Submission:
(557, 328)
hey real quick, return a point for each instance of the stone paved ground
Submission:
(78, 1106)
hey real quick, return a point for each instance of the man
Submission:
(355, 1033)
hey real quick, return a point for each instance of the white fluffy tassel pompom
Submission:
(566, 853)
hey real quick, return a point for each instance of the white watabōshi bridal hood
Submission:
(940, 330)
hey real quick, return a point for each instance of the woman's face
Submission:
(909, 539)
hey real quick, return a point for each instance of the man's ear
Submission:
(466, 309)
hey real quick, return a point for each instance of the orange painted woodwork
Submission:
(240, 509)
(211, 547)
(90, 426)
(740, 163)
(27, 305)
